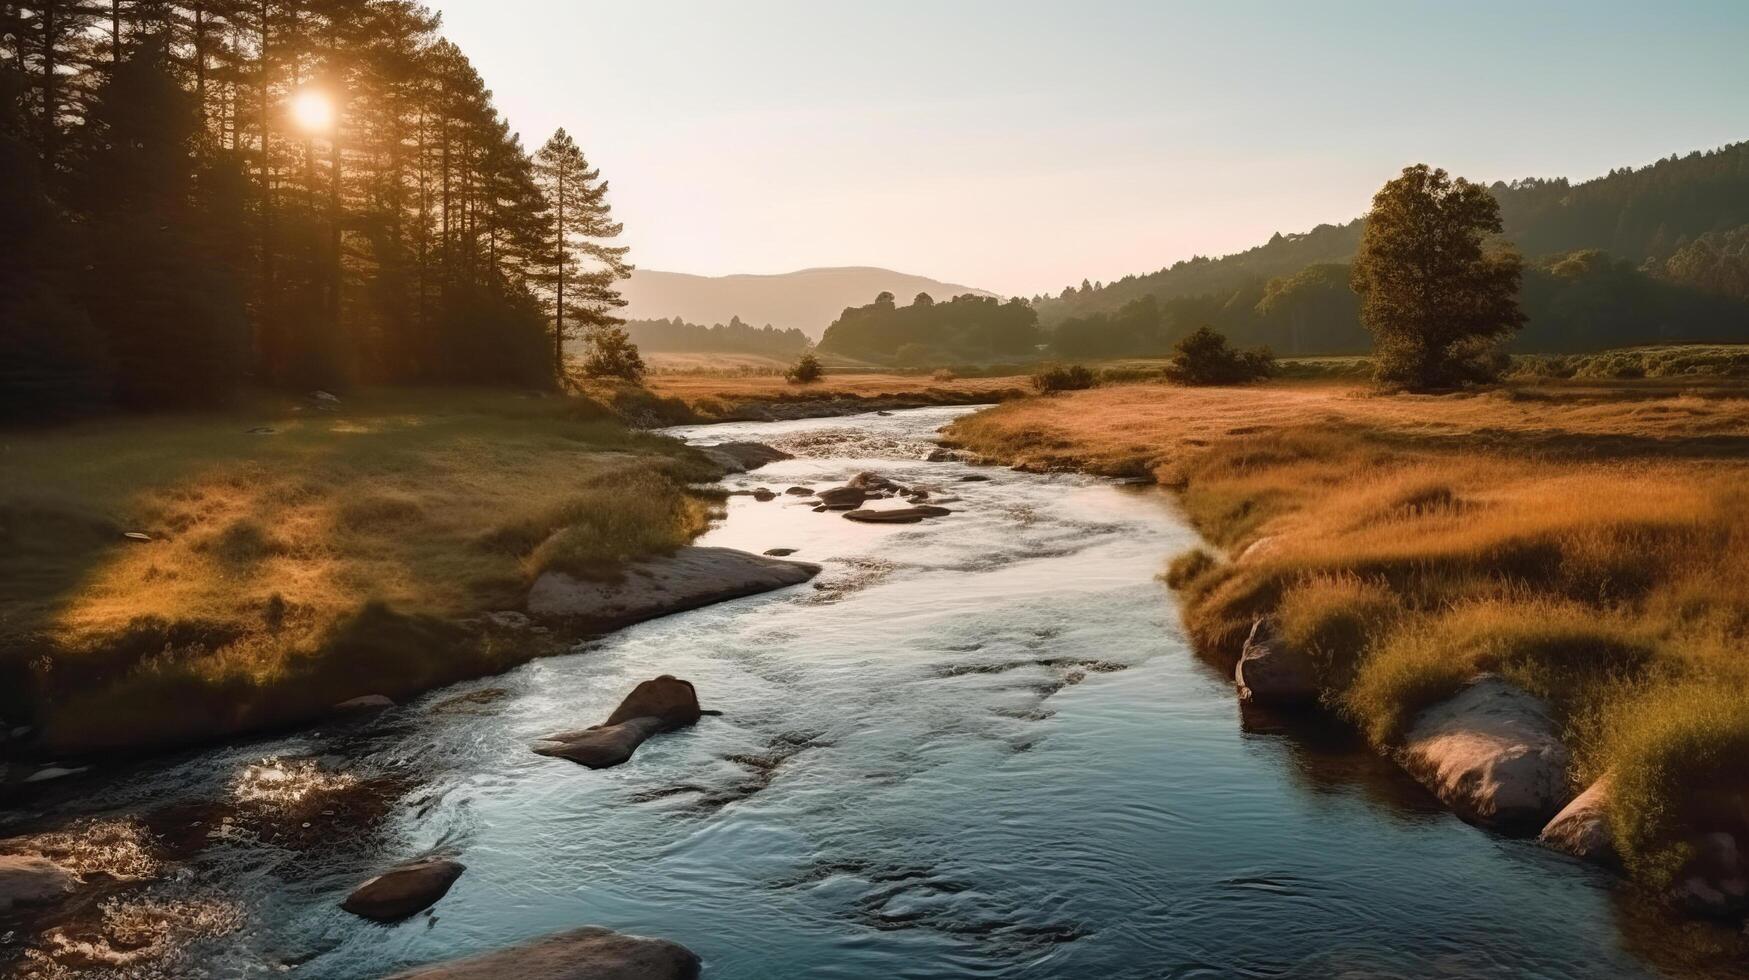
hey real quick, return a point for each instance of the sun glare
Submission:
(312, 110)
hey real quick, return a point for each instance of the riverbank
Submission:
(1585, 541)
(764, 398)
(177, 579)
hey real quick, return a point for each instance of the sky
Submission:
(1021, 147)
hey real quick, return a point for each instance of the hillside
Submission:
(1642, 214)
(807, 299)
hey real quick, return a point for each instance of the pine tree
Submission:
(579, 221)
(173, 317)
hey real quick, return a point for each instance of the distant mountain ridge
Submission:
(1634, 214)
(807, 299)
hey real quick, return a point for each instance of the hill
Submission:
(1656, 217)
(807, 299)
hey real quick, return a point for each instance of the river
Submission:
(976, 746)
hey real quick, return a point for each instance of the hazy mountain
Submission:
(808, 299)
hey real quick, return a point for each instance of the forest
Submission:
(1575, 302)
(303, 194)
(964, 328)
(734, 337)
(1659, 253)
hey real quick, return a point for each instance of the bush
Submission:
(611, 354)
(806, 369)
(1205, 358)
(1063, 377)
(943, 374)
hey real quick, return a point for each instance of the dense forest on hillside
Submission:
(734, 337)
(1645, 253)
(1580, 301)
(965, 328)
(304, 193)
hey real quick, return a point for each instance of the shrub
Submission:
(1205, 358)
(1063, 377)
(806, 369)
(611, 354)
(943, 374)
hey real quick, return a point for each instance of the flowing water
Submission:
(976, 746)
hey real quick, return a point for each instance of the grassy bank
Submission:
(1588, 540)
(338, 553)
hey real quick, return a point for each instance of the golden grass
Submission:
(726, 395)
(295, 568)
(1589, 541)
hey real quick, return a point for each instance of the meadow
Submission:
(1589, 539)
(174, 578)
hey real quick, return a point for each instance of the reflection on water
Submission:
(282, 782)
(976, 746)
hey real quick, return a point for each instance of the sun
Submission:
(312, 110)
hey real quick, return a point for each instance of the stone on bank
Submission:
(1492, 752)
(687, 579)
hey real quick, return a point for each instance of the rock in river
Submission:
(603, 746)
(1582, 827)
(403, 889)
(655, 706)
(363, 704)
(842, 498)
(26, 879)
(669, 698)
(687, 579)
(589, 953)
(1269, 673)
(896, 515)
(1492, 753)
(739, 457)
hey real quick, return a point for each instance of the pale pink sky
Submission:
(1022, 146)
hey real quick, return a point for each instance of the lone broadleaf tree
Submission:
(581, 269)
(1435, 300)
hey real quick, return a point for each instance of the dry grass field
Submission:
(726, 395)
(273, 573)
(1590, 540)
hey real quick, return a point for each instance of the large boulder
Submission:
(739, 457)
(1269, 673)
(1582, 827)
(589, 953)
(404, 889)
(669, 698)
(27, 879)
(896, 515)
(1491, 752)
(687, 579)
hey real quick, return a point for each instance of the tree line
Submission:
(204, 194)
(1682, 222)
(1573, 303)
(734, 337)
(965, 328)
